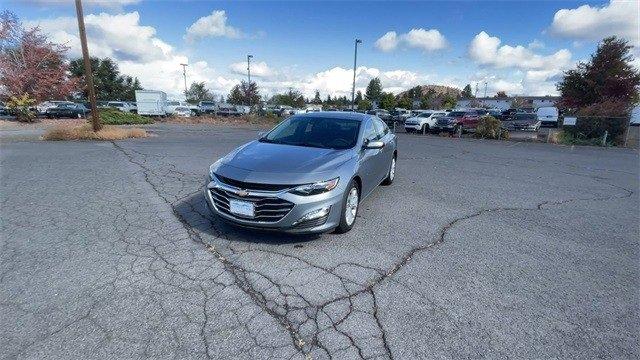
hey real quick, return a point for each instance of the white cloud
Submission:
(536, 44)
(258, 69)
(338, 81)
(486, 50)
(214, 25)
(619, 17)
(137, 50)
(388, 42)
(427, 40)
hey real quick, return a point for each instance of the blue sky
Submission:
(309, 45)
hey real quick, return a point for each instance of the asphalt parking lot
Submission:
(480, 249)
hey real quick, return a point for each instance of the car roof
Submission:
(337, 115)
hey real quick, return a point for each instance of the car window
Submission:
(331, 133)
(424, 115)
(370, 132)
(381, 128)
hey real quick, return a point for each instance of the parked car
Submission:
(423, 122)
(133, 106)
(207, 107)
(312, 173)
(400, 115)
(522, 121)
(67, 111)
(102, 104)
(43, 106)
(122, 106)
(382, 114)
(227, 110)
(548, 115)
(182, 111)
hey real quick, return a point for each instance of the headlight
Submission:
(316, 188)
(213, 168)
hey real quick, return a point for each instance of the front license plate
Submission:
(244, 208)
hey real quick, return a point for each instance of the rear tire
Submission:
(349, 213)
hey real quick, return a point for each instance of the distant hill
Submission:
(440, 90)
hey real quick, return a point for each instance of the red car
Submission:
(465, 120)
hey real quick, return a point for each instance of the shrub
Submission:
(116, 117)
(20, 107)
(570, 137)
(85, 132)
(490, 128)
(592, 121)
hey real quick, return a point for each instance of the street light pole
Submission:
(184, 75)
(485, 89)
(88, 74)
(355, 62)
(249, 68)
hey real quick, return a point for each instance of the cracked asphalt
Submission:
(480, 249)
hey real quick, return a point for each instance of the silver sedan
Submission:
(307, 175)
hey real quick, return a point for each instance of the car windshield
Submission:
(457, 113)
(328, 133)
(424, 115)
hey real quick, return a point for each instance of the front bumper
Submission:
(289, 223)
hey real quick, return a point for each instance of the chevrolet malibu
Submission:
(307, 175)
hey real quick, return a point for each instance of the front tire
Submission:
(350, 207)
(391, 174)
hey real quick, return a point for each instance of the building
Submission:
(506, 103)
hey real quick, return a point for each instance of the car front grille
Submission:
(253, 186)
(267, 209)
(443, 121)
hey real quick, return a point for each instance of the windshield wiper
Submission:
(265, 140)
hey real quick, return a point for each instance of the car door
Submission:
(383, 158)
(369, 159)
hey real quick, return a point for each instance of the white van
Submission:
(548, 115)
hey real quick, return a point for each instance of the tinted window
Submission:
(424, 115)
(315, 132)
(456, 113)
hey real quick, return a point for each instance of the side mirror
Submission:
(374, 145)
(261, 134)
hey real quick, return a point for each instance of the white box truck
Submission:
(151, 102)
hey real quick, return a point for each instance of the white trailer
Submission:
(151, 102)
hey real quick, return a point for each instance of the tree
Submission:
(405, 103)
(374, 90)
(198, 92)
(291, 98)
(449, 101)
(602, 91)
(467, 93)
(244, 94)
(607, 75)
(364, 104)
(30, 63)
(316, 99)
(501, 95)
(387, 101)
(108, 83)
(358, 97)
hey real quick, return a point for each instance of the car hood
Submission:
(277, 163)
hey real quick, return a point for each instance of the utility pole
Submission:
(476, 93)
(184, 75)
(355, 62)
(249, 57)
(485, 89)
(88, 74)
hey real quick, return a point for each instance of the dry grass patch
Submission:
(85, 132)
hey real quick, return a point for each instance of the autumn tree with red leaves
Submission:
(31, 64)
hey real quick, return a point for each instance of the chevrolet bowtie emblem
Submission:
(242, 193)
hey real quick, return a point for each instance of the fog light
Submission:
(315, 214)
